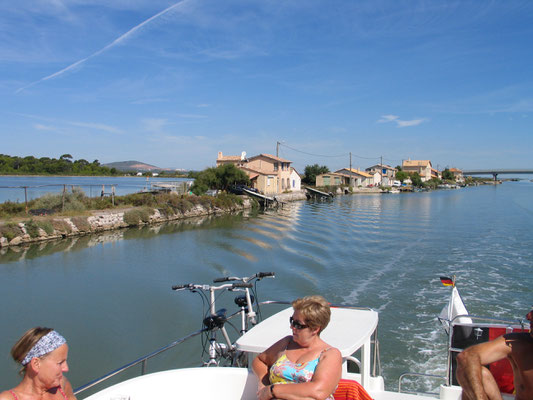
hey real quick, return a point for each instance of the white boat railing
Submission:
(142, 360)
(406, 374)
(477, 323)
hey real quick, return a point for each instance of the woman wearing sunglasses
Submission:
(302, 365)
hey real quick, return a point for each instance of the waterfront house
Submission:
(457, 174)
(296, 180)
(236, 160)
(269, 174)
(358, 177)
(386, 174)
(422, 167)
(332, 179)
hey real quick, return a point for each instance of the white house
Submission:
(295, 180)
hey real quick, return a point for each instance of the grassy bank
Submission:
(56, 215)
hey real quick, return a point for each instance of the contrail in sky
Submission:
(109, 46)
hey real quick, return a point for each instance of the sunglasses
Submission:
(297, 324)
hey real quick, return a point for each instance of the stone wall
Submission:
(47, 228)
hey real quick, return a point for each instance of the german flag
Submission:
(446, 281)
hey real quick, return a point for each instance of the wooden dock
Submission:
(265, 201)
(318, 194)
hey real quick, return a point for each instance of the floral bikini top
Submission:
(286, 371)
(60, 391)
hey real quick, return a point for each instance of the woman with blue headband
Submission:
(42, 352)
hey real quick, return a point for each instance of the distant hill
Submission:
(136, 166)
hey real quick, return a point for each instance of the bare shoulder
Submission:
(271, 353)
(6, 396)
(67, 388)
(332, 352)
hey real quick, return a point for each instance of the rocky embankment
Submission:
(45, 228)
(40, 229)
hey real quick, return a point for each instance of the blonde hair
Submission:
(315, 310)
(26, 343)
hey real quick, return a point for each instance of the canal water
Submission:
(111, 296)
(18, 188)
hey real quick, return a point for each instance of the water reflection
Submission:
(77, 243)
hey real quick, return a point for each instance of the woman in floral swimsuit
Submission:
(300, 366)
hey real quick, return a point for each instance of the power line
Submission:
(311, 154)
(323, 155)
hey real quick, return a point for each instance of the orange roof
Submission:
(416, 163)
(229, 158)
(355, 171)
(455, 170)
(271, 157)
(251, 171)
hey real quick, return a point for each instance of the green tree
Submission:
(416, 179)
(447, 174)
(401, 175)
(221, 178)
(311, 171)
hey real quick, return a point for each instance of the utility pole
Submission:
(351, 174)
(381, 169)
(277, 149)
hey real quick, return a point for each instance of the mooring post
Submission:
(26, 198)
(495, 175)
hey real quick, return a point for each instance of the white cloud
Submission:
(154, 124)
(413, 122)
(388, 118)
(114, 43)
(192, 116)
(92, 125)
(41, 127)
(400, 123)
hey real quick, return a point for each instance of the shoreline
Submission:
(45, 228)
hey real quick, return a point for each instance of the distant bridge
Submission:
(496, 172)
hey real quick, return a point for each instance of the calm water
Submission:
(92, 185)
(110, 294)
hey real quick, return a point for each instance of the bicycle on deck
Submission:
(214, 320)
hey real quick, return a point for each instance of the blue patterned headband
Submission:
(49, 342)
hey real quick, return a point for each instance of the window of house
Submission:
(293, 183)
(275, 166)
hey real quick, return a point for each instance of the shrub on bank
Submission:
(10, 209)
(75, 202)
(10, 230)
(81, 223)
(67, 201)
(61, 226)
(138, 216)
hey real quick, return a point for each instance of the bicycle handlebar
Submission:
(192, 286)
(259, 275)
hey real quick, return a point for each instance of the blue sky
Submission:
(172, 83)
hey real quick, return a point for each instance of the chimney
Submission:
(219, 155)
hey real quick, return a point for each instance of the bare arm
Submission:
(470, 362)
(325, 379)
(263, 361)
